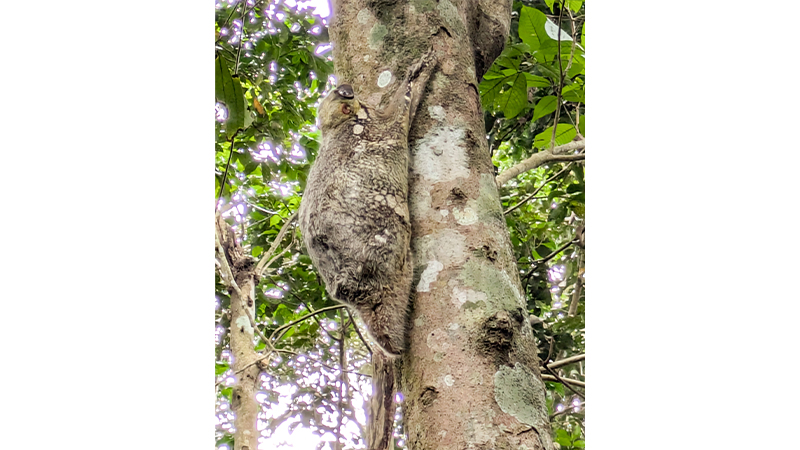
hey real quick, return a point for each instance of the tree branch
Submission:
(521, 202)
(566, 361)
(579, 383)
(264, 262)
(544, 157)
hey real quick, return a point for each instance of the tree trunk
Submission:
(243, 398)
(470, 377)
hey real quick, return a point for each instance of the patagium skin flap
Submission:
(354, 214)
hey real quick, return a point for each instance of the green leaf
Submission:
(583, 36)
(274, 220)
(219, 369)
(545, 106)
(550, 4)
(563, 438)
(582, 126)
(537, 81)
(574, 93)
(228, 90)
(564, 134)
(531, 27)
(515, 99)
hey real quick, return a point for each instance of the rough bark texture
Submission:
(243, 398)
(470, 377)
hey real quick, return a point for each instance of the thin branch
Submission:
(295, 322)
(544, 157)
(342, 385)
(241, 44)
(576, 292)
(272, 349)
(538, 189)
(552, 255)
(560, 81)
(568, 410)
(263, 263)
(578, 383)
(225, 176)
(566, 361)
(561, 380)
(355, 327)
(322, 363)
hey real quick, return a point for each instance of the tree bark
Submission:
(238, 270)
(470, 376)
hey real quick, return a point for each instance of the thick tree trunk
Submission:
(470, 378)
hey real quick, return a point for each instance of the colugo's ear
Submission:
(345, 90)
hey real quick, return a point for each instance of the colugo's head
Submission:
(339, 106)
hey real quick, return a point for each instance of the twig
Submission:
(342, 384)
(561, 380)
(272, 349)
(578, 383)
(544, 157)
(561, 78)
(262, 264)
(555, 252)
(566, 361)
(538, 189)
(225, 176)
(355, 327)
(567, 410)
(241, 44)
(323, 364)
(295, 322)
(576, 292)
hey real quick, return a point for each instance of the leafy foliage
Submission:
(271, 70)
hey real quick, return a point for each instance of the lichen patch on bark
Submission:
(429, 275)
(440, 155)
(520, 393)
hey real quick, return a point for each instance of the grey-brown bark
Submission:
(470, 376)
(238, 271)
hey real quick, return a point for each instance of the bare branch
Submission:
(571, 409)
(263, 263)
(566, 361)
(560, 379)
(576, 292)
(544, 157)
(295, 322)
(579, 383)
(538, 189)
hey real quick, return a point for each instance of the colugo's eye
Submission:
(345, 91)
(345, 108)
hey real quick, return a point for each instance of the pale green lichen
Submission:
(501, 294)
(424, 5)
(364, 16)
(520, 393)
(449, 13)
(376, 35)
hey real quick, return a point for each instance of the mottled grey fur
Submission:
(354, 214)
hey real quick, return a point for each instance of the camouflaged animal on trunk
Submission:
(354, 214)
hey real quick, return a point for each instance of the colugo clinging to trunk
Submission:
(354, 213)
